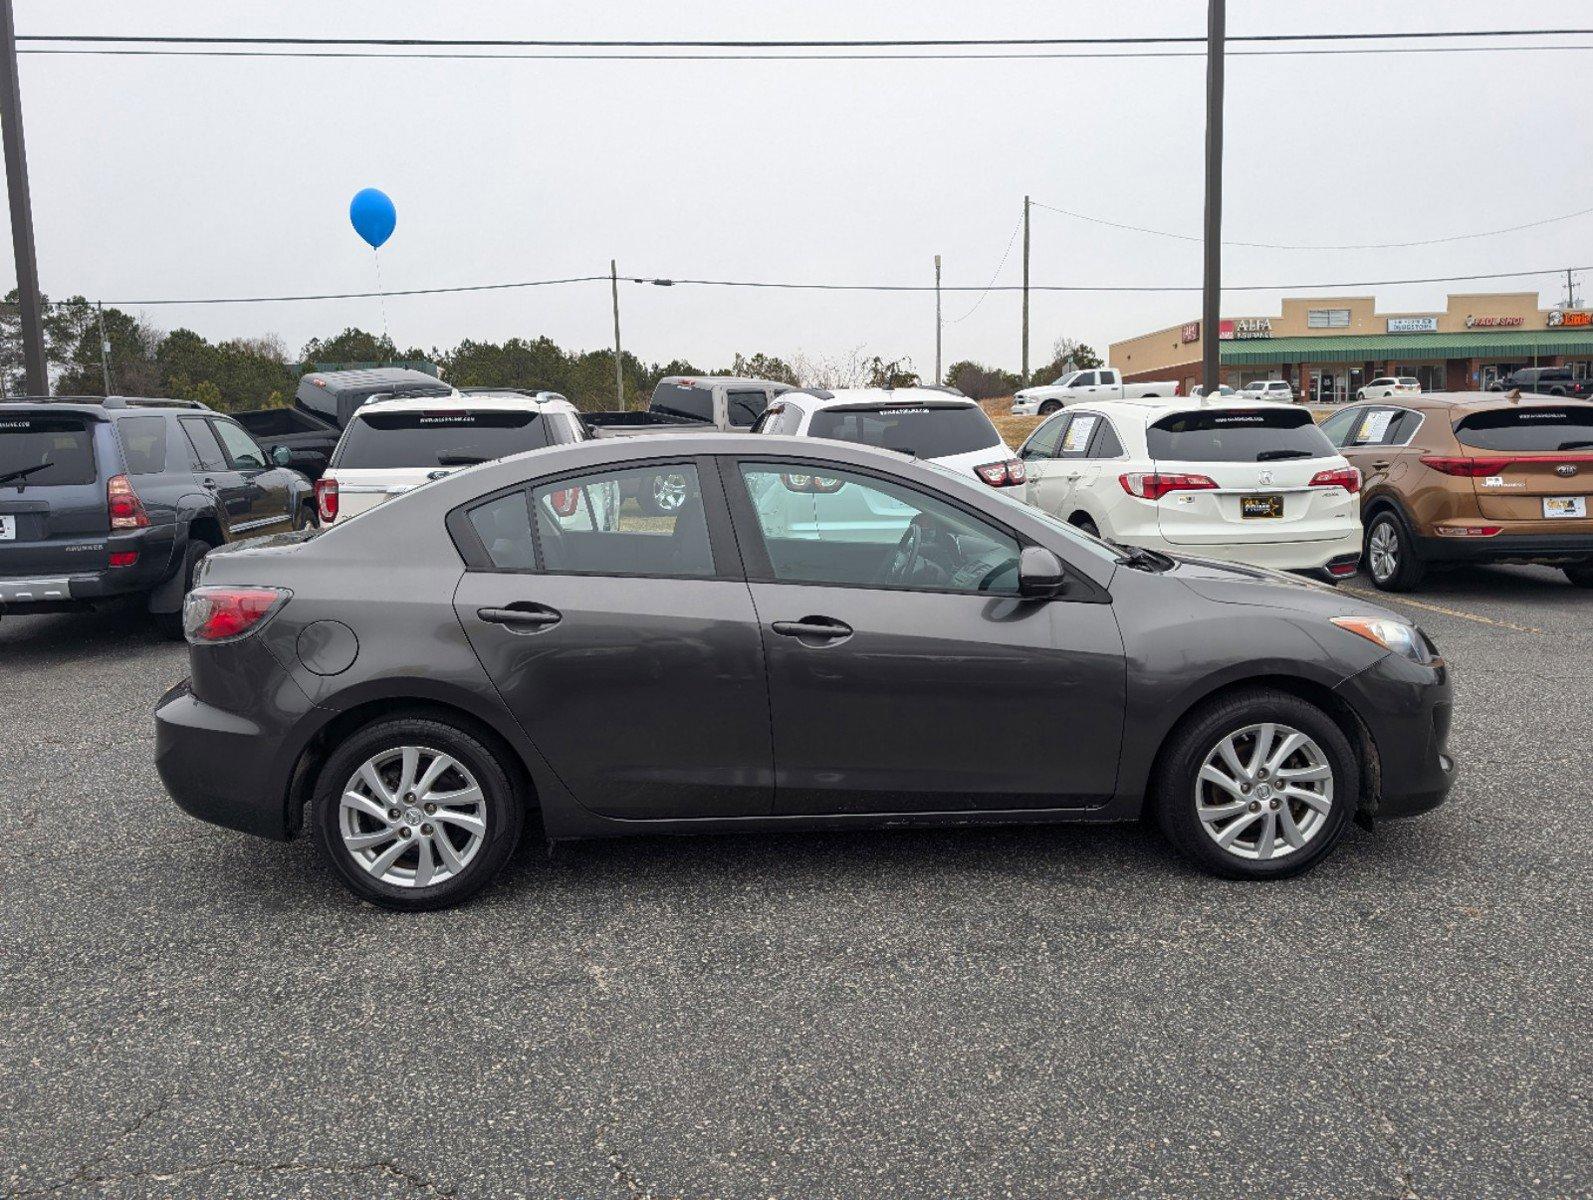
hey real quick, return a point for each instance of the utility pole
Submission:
(619, 362)
(1025, 382)
(105, 348)
(938, 378)
(1570, 289)
(31, 303)
(1211, 293)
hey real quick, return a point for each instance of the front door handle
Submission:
(813, 627)
(521, 616)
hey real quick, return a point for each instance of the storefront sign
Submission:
(1245, 327)
(1494, 322)
(1559, 319)
(1190, 333)
(1413, 325)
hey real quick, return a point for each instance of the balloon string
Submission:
(377, 254)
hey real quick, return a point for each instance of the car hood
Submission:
(1238, 583)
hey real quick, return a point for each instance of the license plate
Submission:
(1559, 506)
(8, 528)
(1260, 506)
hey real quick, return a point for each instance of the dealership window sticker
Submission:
(1078, 434)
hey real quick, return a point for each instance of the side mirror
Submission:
(282, 456)
(1040, 573)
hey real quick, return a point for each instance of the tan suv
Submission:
(1456, 477)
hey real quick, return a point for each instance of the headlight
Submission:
(1405, 640)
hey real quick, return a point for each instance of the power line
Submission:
(786, 285)
(993, 275)
(1190, 237)
(798, 44)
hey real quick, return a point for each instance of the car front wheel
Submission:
(1259, 784)
(416, 813)
(1049, 407)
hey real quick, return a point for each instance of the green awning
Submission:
(1384, 347)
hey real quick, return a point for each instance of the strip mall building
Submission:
(1327, 349)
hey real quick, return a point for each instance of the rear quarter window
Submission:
(45, 449)
(1538, 427)
(1237, 435)
(384, 441)
(923, 430)
(143, 444)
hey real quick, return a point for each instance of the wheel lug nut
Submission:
(426, 829)
(1255, 806)
(1245, 788)
(404, 832)
(393, 814)
(430, 808)
(1272, 804)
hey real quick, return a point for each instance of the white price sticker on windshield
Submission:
(8, 528)
(1078, 434)
(1375, 427)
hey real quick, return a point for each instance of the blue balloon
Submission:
(373, 215)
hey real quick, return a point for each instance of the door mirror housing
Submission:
(1040, 573)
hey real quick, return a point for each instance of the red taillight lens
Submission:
(1009, 472)
(218, 614)
(1467, 468)
(326, 500)
(1347, 478)
(123, 558)
(565, 501)
(1153, 485)
(127, 510)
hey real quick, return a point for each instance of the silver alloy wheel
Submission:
(669, 492)
(412, 817)
(1382, 548)
(1264, 792)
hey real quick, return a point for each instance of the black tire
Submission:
(1049, 407)
(1389, 554)
(306, 517)
(1177, 779)
(171, 624)
(504, 811)
(1083, 522)
(1580, 575)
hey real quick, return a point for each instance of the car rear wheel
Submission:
(1389, 556)
(1580, 575)
(416, 813)
(1257, 785)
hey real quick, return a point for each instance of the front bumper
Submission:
(1025, 408)
(1507, 547)
(1407, 708)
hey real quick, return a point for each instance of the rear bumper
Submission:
(1276, 556)
(64, 591)
(1407, 708)
(1507, 547)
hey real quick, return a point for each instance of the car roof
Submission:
(362, 378)
(908, 397)
(704, 381)
(110, 407)
(487, 401)
(1476, 401)
(1154, 408)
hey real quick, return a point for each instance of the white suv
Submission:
(392, 446)
(1268, 389)
(1249, 482)
(1392, 385)
(941, 427)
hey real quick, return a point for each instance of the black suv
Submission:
(1544, 381)
(102, 499)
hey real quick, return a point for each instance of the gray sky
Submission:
(165, 177)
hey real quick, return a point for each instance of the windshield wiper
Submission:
(24, 472)
(457, 458)
(1275, 455)
(1140, 558)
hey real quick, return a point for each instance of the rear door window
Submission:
(440, 438)
(43, 450)
(1538, 427)
(922, 430)
(143, 444)
(679, 400)
(1237, 435)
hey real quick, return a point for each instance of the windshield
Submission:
(1538, 427)
(1237, 435)
(922, 430)
(40, 449)
(440, 438)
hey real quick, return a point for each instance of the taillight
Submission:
(127, 510)
(1466, 468)
(220, 613)
(1009, 472)
(326, 499)
(123, 558)
(1347, 478)
(1153, 485)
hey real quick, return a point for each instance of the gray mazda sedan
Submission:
(820, 635)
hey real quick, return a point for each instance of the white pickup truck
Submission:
(1104, 383)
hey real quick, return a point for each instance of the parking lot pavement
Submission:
(1029, 1012)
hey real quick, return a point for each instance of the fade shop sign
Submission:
(1244, 327)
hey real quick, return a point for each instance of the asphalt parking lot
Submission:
(1029, 1012)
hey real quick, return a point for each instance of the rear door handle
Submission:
(1382, 465)
(521, 616)
(813, 627)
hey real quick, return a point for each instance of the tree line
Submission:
(138, 359)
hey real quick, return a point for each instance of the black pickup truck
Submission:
(682, 404)
(1544, 381)
(322, 406)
